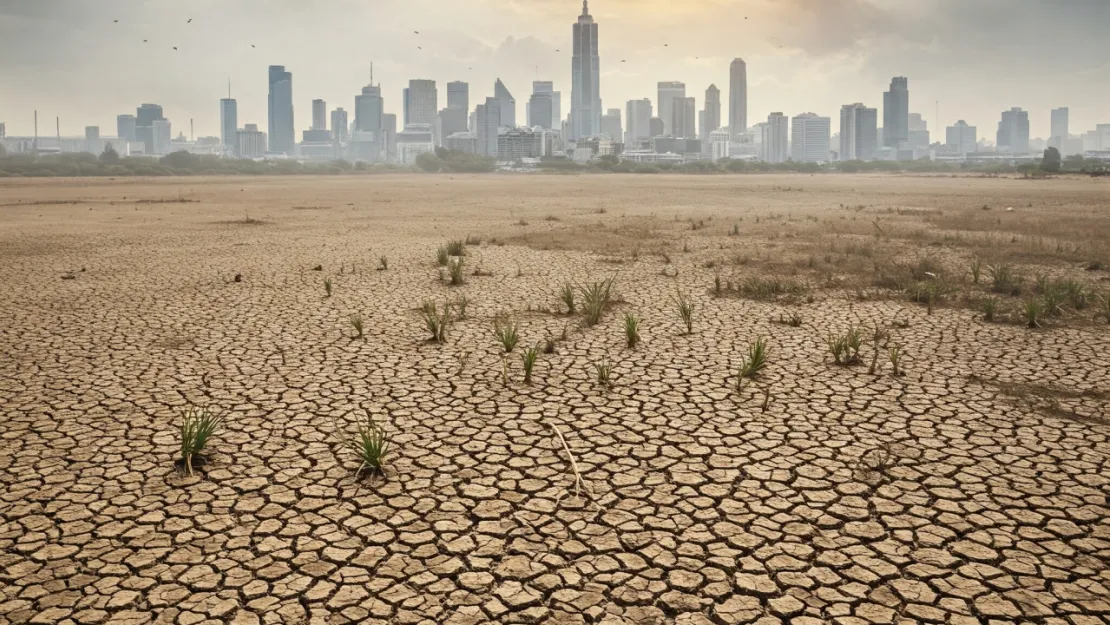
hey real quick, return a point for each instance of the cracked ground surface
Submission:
(971, 489)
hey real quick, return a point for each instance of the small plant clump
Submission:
(604, 371)
(460, 304)
(456, 248)
(327, 287)
(370, 444)
(528, 358)
(631, 329)
(383, 263)
(685, 311)
(845, 347)
(455, 271)
(976, 269)
(1033, 313)
(595, 299)
(198, 425)
(566, 294)
(895, 353)
(990, 308)
(435, 320)
(356, 323)
(1004, 280)
(756, 360)
(507, 332)
(442, 257)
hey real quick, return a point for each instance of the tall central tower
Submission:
(585, 92)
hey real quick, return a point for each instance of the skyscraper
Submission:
(683, 111)
(638, 120)
(547, 87)
(369, 109)
(1059, 135)
(962, 138)
(668, 92)
(339, 125)
(421, 102)
(737, 99)
(918, 131)
(145, 116)
(508, 104)
(540, 111)
(319, 115)
(585, 92)
(809, 142)
(125, 127)
(389, 130)
(1013, 131)
(776, 138)
(281, 134)
(161, 136)
(896, 113)
(229, 126)
(458, 94)
(859, 133)
(711, 120)
(487, 120)
(611, 125)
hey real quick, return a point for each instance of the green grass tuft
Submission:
(528, 358)
(566, 294)
(356, 323)
(327, 287)
(685, 311)
(845, 347)
(370, 445)
(604, 371)
(756, 360)
(595, 299)
(455, 271)
(198, 425)
(507, 332)
(631, 329)
(435, 320)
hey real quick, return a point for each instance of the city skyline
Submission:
(813, 70)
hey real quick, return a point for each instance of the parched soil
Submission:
(972, 488)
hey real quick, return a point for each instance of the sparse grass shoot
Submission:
(370, 444)
(383, 263)
(685, 311)
(435, 320)
(456, 248)
(631, 329)
(327, 287)
(566, 294)
(455, 271)
(507, 332)
(604, 371)
(895, 353)
(198, 425)
(845, 347)
(990, 308)
(356, 323)
(1033, 313)
(595, 299)
(442, 257)
(1004, 280)
(756, 360)
(528, 358)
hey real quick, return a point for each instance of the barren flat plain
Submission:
(953, 467)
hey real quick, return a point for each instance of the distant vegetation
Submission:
(183, 163)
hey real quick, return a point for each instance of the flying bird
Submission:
(144, 40)
(556, 49)
(190, 21)
(419, 48)
(416, 31)
(175, 47)
(622, 60)
(115, 21)
(252, 45)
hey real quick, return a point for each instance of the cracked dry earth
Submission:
(940, 496)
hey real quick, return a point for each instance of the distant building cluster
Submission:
(670, 129)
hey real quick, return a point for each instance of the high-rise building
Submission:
(668, 92)
(3, 130)
(611, 125)
(809, 141)
(776, 138)
(1013, 131)
(451, 120)
(487, 121)
(250, 142)
(319, 115)
(737, 99)
(421, 102)
(918, 134)
(548, 88)
(125, 127)
(339, 130)
(962, 138)
(711, 118)
(369, 108)
(458, 94)
(389, 130)
(145, 116)
(859, 133)
(229, 126)
(638, 120)
(656, 127)
(508, 104)
(540, 110)
(896, 113)
(92, 133)
(1059, 135)
(585, 92)
(161, 136)
(280, 107)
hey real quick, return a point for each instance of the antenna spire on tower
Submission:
(371, 73)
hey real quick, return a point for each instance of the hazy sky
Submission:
(977, 57)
